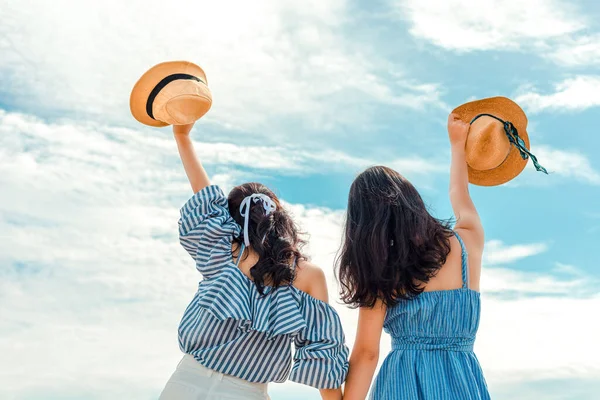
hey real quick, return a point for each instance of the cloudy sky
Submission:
(306, 94)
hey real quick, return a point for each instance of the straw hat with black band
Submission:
(170, 93)
(497, 147)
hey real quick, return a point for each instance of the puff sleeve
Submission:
(321, 357)
(206, 230)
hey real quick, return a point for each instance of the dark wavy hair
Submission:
(392, 246)
(275, 238)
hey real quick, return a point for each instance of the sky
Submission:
(306, 94)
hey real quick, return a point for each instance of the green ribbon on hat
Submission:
(516, 140)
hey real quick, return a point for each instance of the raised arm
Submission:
(193, 167)
(468, 222)
(365, 353)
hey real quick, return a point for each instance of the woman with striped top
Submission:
(257, 296)
(410, 274)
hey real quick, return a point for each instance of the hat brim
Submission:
(141, 90)
(507, 110)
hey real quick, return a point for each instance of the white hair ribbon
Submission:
(268, 205)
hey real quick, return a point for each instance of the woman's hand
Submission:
(457, 130)
(183, 129)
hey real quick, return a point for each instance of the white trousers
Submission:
(192, 381)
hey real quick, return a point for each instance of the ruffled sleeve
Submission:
(206, 230)
(321, 358)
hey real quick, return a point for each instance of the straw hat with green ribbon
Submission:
(497, 147)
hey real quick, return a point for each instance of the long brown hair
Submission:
(274, 237)
(391, 245)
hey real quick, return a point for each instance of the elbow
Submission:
(367, 356)
(457, 192)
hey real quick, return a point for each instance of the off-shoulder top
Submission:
(233, 329)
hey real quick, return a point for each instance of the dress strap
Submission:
(240, 254)
(464, 263)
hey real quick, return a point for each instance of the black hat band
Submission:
(160, 86)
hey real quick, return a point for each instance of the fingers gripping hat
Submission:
(170, 93)
(497, 147)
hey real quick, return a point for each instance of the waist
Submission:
(433, 343)
(191, 367)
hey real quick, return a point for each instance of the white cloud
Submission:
(537, 338)
(569, 164)
(552, 29)
(497, 253)
(464, 25)
(273, 66)
(573, 94)
(578, 52)
(504, 282)
(73, 143)
(93, 278)
(568, 269)
(561, 163)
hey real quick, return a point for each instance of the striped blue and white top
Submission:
(230, 328)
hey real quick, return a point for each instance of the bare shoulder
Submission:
(310, 278)
(473, 240)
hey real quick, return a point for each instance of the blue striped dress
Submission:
(230, 328)
(432, 347)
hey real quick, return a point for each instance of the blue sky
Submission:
(306, 95)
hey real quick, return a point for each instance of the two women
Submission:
(409, 273)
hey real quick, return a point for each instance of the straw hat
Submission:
(170, 93)
(497, 147)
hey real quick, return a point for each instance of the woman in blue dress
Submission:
(258, 295)
(418, 279)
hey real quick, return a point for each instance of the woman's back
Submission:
(450, 274)
(232, 328)
(308, 277)
(432, 344)
(437, 318)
